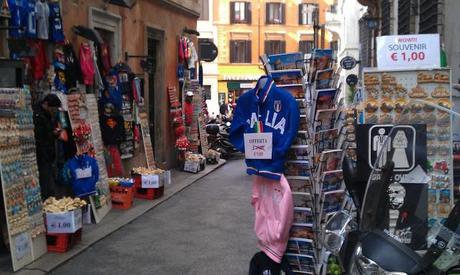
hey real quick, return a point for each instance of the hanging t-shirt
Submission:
(112, 129)
(59, 78)
(56, 30)
(72, 73)
(30, 17)
(111, 93)
(105, 58)
(43, 14)
(87, 64)
(15, 22)
(39, 61)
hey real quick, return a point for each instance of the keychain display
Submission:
(392, 97)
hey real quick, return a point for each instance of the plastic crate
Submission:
(146, 193)
(63, 242)
(122, 197)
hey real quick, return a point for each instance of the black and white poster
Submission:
(406, 146)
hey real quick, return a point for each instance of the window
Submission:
(306, 46)
(386, 17)
(204, 14)
(307, 13)
(275, 47)
(240, 51)
(274, 13)
(430, 16)
(240, 12)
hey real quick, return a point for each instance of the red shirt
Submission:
(188, 111)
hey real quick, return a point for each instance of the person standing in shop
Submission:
(46, 134)
(188, 112)
(113, 133)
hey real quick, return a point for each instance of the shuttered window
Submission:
(275, 46)
(306, 46)
(240, 12)
(275, 13)
(430, 16)
(307, 13)
(240, 51)
(386, 16)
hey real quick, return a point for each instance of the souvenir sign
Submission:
(150, 181)
(258, 145)
(348, 63)
(405, 51)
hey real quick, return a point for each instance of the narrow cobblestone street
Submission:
(205, 229)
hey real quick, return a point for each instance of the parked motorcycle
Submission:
(378, 239)
(218, 139)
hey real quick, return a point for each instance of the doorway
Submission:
(156, 105)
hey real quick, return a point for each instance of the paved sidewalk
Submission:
(114, 220)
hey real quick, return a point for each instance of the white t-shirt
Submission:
(43, 14)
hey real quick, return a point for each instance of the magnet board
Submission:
(101, 205)
(402, 96)
(148, 149)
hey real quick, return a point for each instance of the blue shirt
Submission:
(278, 111)
(84, 174)
(56, 29)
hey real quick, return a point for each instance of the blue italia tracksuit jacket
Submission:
(278, 112)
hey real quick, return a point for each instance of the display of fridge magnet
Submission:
(372, 92)
(416, 107)
(387, 91)
(400, 105)
(300, 246)
(443, 119)
(400, 91)
(372, 118)
(386, 119)
(443, 134)
(444, 196)
(303, 215)
(388, 79)
(440, 166)
(432, 196)
(444, 149)
(443, 209)
(430, 149)
(424, 77)
(417, 119)
(331, 181)
(371, 79)
(418, 92)
(431, 135)
(441, 78)
(427, 107)
(445, 103)
(387, 106)
(440, 92)
(430, 119)
(371, 106)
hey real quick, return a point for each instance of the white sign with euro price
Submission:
(258, 145)
(408, 51)
(150, 181)
(64, 222)
(191, 166)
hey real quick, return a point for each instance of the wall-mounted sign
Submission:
(408, 51)
(208, 50)
(348, 63)
(352, 79)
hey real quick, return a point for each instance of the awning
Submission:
(231, 86)
(88, 33)
(124, 3)
(240, 72)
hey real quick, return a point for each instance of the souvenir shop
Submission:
(324, 149)
(72, 122)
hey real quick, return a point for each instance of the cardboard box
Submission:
(64, 222)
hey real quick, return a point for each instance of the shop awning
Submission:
(88, 33)
(240, 72)
(231, 86)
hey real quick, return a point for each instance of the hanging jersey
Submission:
(30, 17)
(15, 22)
(42, 16)
(56, 30)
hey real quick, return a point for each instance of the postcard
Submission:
(331, 181)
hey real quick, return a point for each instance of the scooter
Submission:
(366, 241)
(218, 139)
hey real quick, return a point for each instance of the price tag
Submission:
(167, 176)
(258, 145)
(150, 181)
(406, 51)
(191, 166)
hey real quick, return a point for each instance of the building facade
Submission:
(136, 32)
(248, 29)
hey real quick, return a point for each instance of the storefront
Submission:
(86, 100)
(234, 80)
